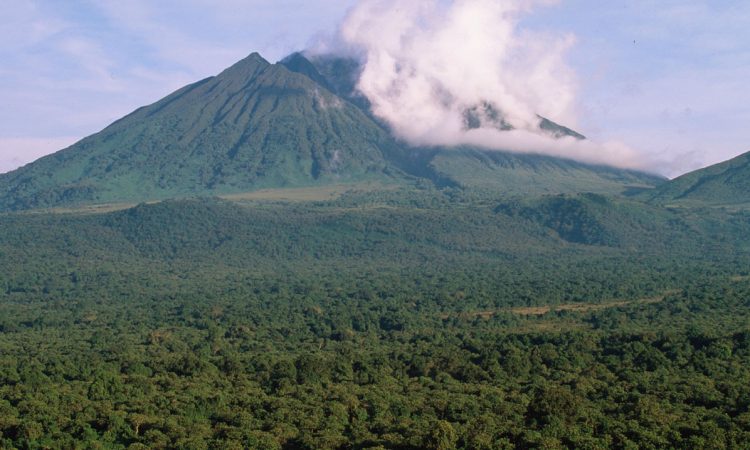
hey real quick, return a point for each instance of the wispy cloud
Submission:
(428, 63)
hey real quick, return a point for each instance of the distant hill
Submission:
(298, 123)
(727, 183)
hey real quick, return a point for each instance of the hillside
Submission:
(475, 168)
(520, 238)
(726, 183)
(279, 126)
(255, 125)
(525, 174)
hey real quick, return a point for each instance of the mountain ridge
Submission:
(240, 128)
(258, 125)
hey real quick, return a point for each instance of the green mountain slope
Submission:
(524, 174)
(502, 172)
(255, 125)
(339, 74)
(370, 233)
(274, 126)
(727, 183)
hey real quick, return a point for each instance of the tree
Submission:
(442, 436)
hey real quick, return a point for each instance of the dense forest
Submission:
(433, 320)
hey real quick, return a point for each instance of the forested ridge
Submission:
(376, 320)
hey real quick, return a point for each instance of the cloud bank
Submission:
(428, 63)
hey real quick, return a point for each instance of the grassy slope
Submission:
(528, 174)
(727, 183)
(258, 126)
(254, 126)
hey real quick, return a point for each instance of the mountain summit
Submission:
(259, 125)
(255, 125)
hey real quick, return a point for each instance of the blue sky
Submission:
(666, 77)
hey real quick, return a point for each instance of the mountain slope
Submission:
(504, 172)
(255, 125)
(726, 183)
(293, 124)
(340, 74)
(522, 174)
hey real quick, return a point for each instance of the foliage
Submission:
(726, 183)
(380, 320)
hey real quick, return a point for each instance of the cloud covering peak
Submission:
(430, 65)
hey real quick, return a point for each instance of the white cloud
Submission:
(70, 68)
(427, 62)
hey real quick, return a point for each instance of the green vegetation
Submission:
(524, 174)
(384, 319)
(261, 126)
(253, 126)
(328, 288)
(726, 184)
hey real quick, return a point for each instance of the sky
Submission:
(665, 77)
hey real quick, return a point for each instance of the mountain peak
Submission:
(247, 68)
(298, 63)
(259, 125)
(256, 125)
